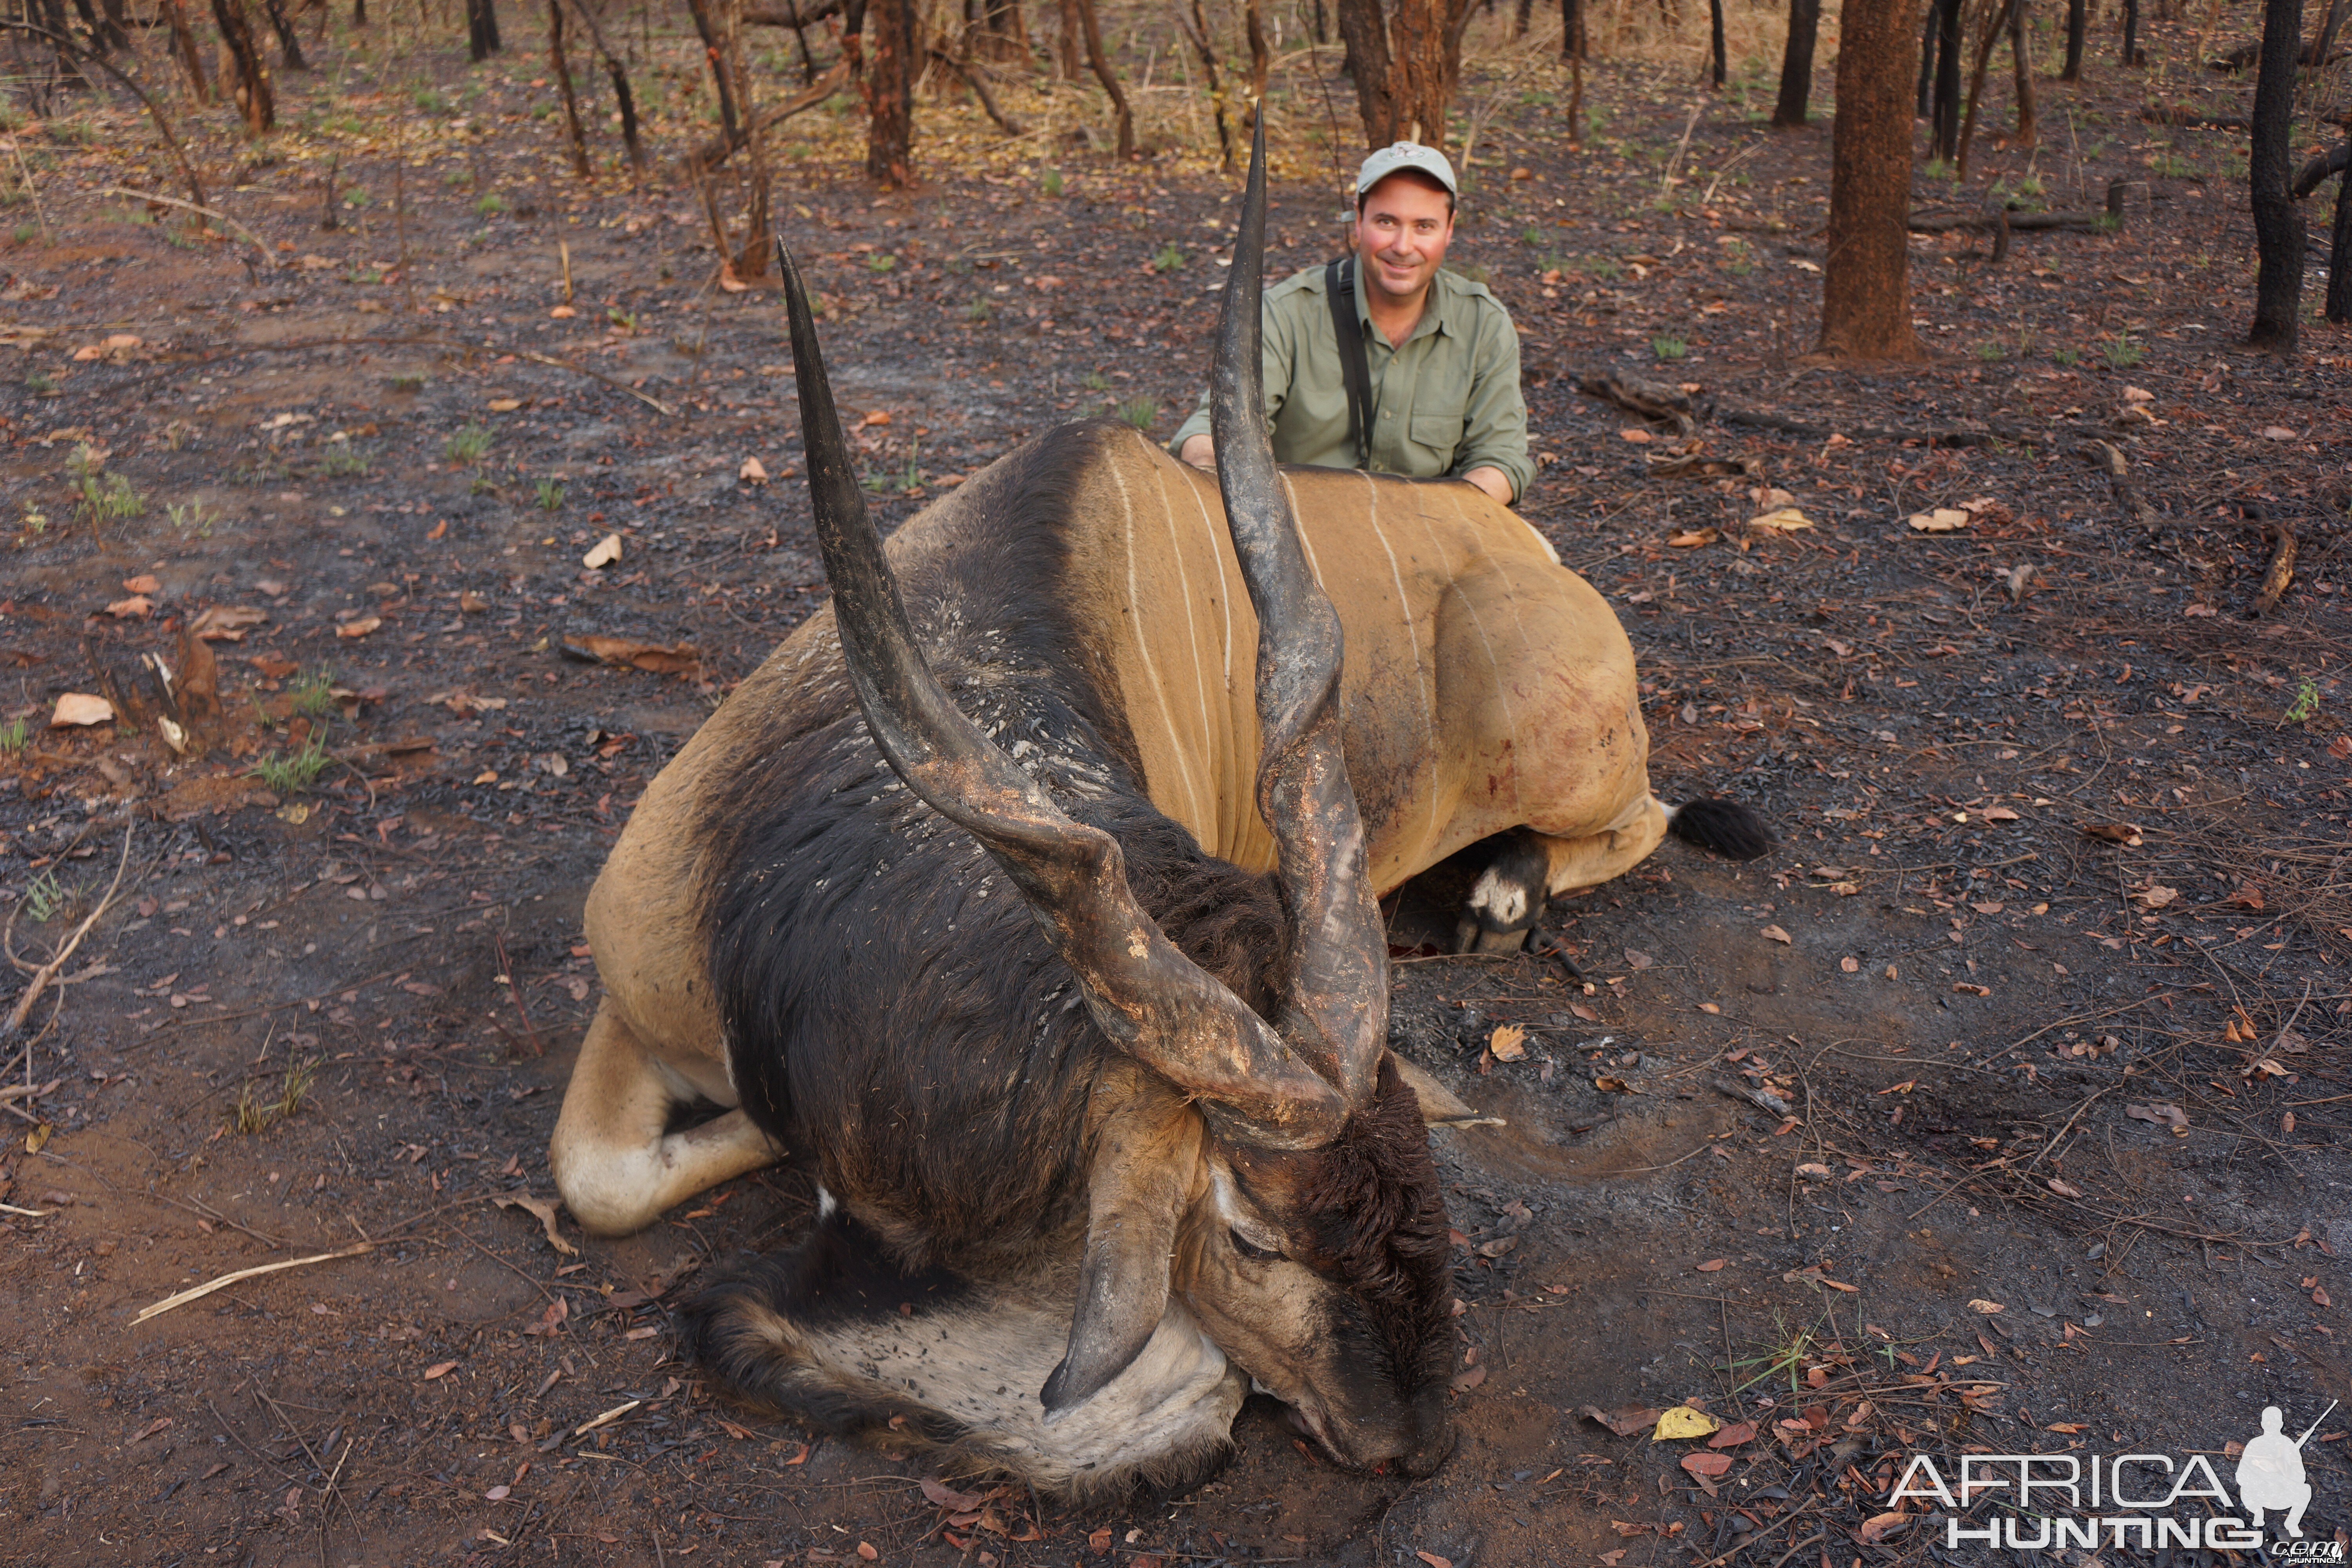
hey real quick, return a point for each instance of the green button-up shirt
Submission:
(1445, 401)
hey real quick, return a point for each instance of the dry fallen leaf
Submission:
(543, 1209)
(1680, 1421)
(1987, 1308)
(145, 583)
(1712, 1265)
(1774, 933)
(2122, 833)
(1634, 434)
(1878, 1527)
(360, 628)
(224, 623)
(1731, 1436)
(1691, 539)
(1814, 1171)
(2275, 432)
(2163, 1113)
(127, 609)
(505, 404)
(1625, 1420)
(1781, 519)
(752, 472)
(1943, 520)
(2064, 1189)
(2155, 896)
(1710, 1465)
(77, 708)
(1433, 1560)
(606, 550)
(439, 1369)
(1508, 1042)
(681, 658)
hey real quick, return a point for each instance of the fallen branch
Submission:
(49, 971)
(259, 244)
(2316, 172)
(2127, 496)
(712, 154)
(972, 79)
(2018, 221)
(2280, 571)
(1650, 399)
(209, 1285)
(2191, 120)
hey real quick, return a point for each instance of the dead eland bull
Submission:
(1065, 965)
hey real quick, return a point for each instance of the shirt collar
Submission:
(1435, 309)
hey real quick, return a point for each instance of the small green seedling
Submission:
(550, 495)
(292, 774)
(469, 445)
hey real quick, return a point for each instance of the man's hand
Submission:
(1493, 480)
(1202, 453)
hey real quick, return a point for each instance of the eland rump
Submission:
(1003, 895)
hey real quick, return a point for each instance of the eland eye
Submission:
(1249, 1248)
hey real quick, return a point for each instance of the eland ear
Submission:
(1146, 1163)
(1439, 1104)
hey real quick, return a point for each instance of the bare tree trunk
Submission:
(1365, 36)
(1866, 287)
(481, 30)
(1260, 53)
(289, 44)
(561, 67)
(1195, 29)
(1092, 28)
(1946, 142)
(1995, 24)
(184, 45)
(2131, 32)
(359, 13)
(2278, 222)
(1070, 42)
(1797, 65)
(2021, 54)
(1574, 43)
(1720, 70)
(626, 100)
(890, 93)
(2339, 246)
(1426, 39)
(254, 100)
(117, 32)
(2077, 21)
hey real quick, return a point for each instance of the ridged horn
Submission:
(1152, 1001)
(1336, 996)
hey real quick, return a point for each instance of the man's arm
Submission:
(1193, 443)
(1494, 452)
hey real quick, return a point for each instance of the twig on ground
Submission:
(209, 1285)
(49, 971)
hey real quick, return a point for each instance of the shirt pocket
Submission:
(1439, 429)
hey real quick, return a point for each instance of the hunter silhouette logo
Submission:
(2270, 1472)
(2146, 1501)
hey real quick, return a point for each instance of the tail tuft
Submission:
(1725, 827)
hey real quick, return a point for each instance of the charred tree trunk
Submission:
(622, 97)
(720, 24)
(1797, 65)
(183, 45)
(1927, 61)
(999, 30)
(359, 13)
(2278, 222)
(1521, 17)
(2131, 32)
(1995, 24)
(1195, 29)
(1406, 65)
(2021, 55)
(1366, 39)
(1092, 28)
(890, 94)
(561, 66)
(2339, 246)
(254, 100)
(1865, 285)
(481, 30)
(1573, 44)
(2077, 20)
(1946, 142)
(290, 45)
(1720, 71)
(114, 25)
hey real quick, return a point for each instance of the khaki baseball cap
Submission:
(1405, 155)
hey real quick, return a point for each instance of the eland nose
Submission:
(1432, 1445)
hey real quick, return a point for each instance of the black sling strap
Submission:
(1340, 288)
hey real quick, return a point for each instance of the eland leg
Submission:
(1531, 867)
(615, 1161)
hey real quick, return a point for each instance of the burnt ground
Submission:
(2041, 1002)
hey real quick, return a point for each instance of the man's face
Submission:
(1401, 235)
